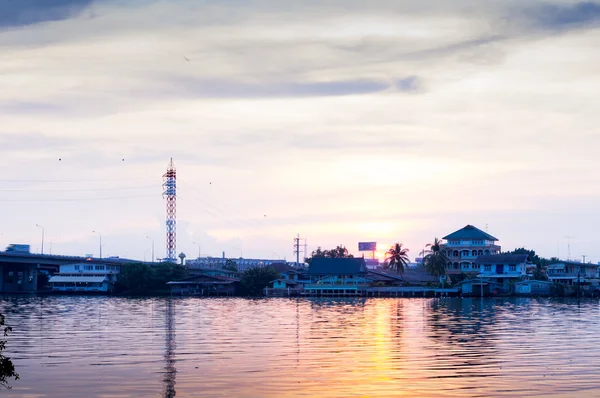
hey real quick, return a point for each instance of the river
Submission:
(68, 346)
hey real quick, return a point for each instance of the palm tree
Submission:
(397, 257)
(435, 262)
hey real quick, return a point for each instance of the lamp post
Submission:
(38, 225)
(241, 254)
(100, 235)
(152, 239)
(198, 248)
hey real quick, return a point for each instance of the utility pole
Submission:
(297, 249)
(37, 225)
(584, 256)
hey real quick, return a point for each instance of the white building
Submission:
(464, 246)
(570, 272)
(85, 278)
(503, 268)
(219, 262)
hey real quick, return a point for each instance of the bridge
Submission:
(18, 270)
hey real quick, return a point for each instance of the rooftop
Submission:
(502, 259)
(337, 266)
(470, 232)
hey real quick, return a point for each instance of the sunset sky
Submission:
(341, 121)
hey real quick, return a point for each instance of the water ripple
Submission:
(161, 347)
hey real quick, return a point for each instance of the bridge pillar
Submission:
(18, 278)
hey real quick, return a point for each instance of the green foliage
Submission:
(141, 279)
(255, 279)
(397, 258)
(7, 368)
(339, 252)
(435, 262)
(230, 265)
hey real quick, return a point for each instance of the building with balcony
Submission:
(572, 272)
(464, 246)
(503, 269)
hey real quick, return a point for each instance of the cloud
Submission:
(24, 107)
(214, 88)
(565, 17)
(15, 13)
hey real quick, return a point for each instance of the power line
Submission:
(227, 208)
(236, 224)
(76, 199)
(77, 190)
(75, 181)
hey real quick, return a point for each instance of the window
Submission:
(487, 268)
(77, 268)
(512, 268)
(99, 267)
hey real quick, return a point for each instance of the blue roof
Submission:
(502, 259)
(337, 266)
(469, 232)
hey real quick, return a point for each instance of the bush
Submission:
(141, 279)
(7, 368)
(254, 280)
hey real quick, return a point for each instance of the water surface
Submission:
(185, 347)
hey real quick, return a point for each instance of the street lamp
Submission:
(152, 239)
(38, 225)
(100, 235)
(237, 248)
(198, 248)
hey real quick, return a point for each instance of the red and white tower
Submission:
(170, 195)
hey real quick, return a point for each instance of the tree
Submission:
(397, 257)
(140, 279)
(339, 252)
(7, 368)
(435, 262)
(254, 280)
(230, 265)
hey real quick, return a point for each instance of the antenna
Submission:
(569, 247)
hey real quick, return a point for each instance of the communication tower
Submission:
(170, 195)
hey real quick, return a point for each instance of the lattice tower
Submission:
(170, 196)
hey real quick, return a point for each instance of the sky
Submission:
(340, 121)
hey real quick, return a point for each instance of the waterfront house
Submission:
(336, 275)
(84, 277)
(387, 278)
(204, 285)
(533, 288)
(572, 272)
(504, 269)
(462, 248)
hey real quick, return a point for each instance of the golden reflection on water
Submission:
(115, 347)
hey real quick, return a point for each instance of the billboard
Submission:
(367, 246)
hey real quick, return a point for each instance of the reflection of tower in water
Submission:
(170, 345)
